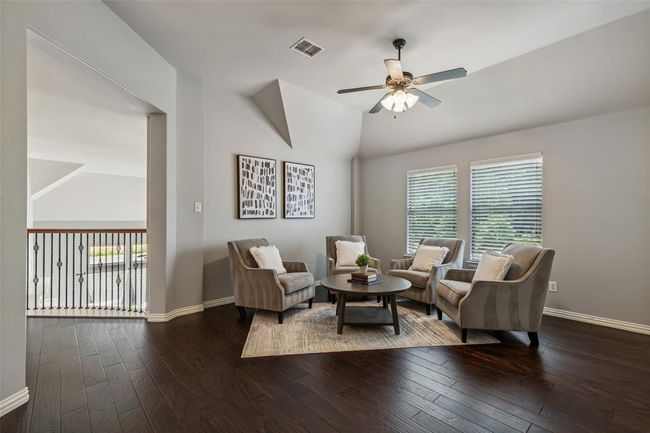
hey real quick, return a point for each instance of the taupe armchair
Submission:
(514, 304)
(264, 288)
(423, 284)
(330, 249)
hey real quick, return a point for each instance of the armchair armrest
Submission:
(440, 272)
(331, 264)
(401, 263)
(375, 263)
(464, 275)
(262, 279)
(295, 266)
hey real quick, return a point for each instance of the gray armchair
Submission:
(264, 288)
(514, 304)
(423, 284)
(330, 249)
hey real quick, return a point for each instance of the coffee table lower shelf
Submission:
(367, 316)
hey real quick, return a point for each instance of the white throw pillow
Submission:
(428, 256)
(493, 266)
(268, 257)
(347, 252)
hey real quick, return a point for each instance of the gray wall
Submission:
(596, 206)
(324, 133)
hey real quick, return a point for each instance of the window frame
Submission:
(421, 171)
(500, 161)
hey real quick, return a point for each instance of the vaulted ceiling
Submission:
(521, 73)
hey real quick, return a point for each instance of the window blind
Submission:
(506, 203)
(431, 204)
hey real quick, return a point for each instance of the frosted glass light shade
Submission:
(399, 101)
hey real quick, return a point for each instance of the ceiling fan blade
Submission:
(441, 76)
(425, 98)
(377, 108)
(361, 89)
(394, 67)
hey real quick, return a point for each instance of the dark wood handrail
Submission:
(117, 230)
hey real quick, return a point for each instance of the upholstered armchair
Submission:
(264, 288)
(333, 269)
(423, 284)
(514, 304)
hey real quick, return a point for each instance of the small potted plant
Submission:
(362, 262)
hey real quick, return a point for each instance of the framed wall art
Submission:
(257, 187)
(299, 190)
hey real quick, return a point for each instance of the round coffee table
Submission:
(380, 316)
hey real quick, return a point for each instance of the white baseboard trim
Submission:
(219, 301)
(15, 400)
(595, 320)
(166, 317)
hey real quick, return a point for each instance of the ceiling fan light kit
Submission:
(403, 94)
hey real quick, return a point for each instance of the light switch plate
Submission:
(198, 207)
(552, 286)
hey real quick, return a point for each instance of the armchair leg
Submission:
(428, 309)
(534, 340)
(439, 313)
(333, 298)
(280, 317)
(242, 312)
(378, 299)
(311, 302)
(463, 335)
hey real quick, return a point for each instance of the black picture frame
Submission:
(289, 211)
(249, 207)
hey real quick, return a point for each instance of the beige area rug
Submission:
(314, 331)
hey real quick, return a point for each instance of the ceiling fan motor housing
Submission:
(408, 77)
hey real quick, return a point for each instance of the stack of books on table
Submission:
(367, 279)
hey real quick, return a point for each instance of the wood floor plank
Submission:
(135, 421)
(73, 393)
(107, 350)
(85, 338)
(46, 414)
(157, 409)
(121, 388)
(93, 371)
(103, 417)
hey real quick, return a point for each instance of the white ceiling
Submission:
(604, 70)
(77, 115)
(245, 45)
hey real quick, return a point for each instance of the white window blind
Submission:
(506, 203)
(431, 204)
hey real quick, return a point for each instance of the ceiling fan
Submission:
(403, 94)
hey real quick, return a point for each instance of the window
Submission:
(506, 203)
(430, 204)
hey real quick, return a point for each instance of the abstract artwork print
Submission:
(299, 190)
(257, 187)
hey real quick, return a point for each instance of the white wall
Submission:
(324, 133)
(95, 34)
(92, 197)
(596, 206)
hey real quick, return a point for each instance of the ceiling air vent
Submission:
(307, 47)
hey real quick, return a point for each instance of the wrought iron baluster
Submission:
(130, 269)
(141, 269)
(112, 269)
(66, 270)
(35, 248)
(105, 272)
(94, 289)
(51, 268)
(118, 280)
(58, 265)
(87, 270)
(74, 240)
(123, 271)
(43, 274)
(81, 270)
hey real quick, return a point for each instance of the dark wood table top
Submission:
(389, 285)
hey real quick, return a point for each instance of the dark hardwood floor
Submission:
(187, 376)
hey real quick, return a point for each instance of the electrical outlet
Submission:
(552, 286)
(198, 206)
